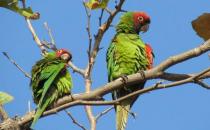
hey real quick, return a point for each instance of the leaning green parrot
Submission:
(127, 55)
(50, 80)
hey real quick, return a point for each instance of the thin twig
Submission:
(88, 30)
(101, 17)
(108, 11)
(74, 120)
(49, 32)
(13, 62)
(202, 73)
(202, 84)
(76, 69)
(103, 112)
(35, 37)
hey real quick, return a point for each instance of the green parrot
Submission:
(50, 80)
(127, 55)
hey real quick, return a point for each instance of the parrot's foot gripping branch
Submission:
(141, 72)
(124, 78)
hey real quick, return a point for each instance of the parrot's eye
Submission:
(141, 19)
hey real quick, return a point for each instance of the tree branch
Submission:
(50, 34)
(76, 69)
(85, 98)
(74, 121)
(35, 37)
(103, 113)
(177, 77)
(14, 63)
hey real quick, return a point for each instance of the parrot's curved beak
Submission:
(66, 57)
(145, 28)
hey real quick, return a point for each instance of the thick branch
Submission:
(109, 87)
(84, 99)
(183, 57)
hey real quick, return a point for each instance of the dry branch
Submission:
(35, 37)
(75, 121)
(13, 62)
(50, 33)
(103, 113)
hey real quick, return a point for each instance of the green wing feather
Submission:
(50, 73)
(50, 81)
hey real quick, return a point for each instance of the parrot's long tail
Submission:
(40, 110)
(122, 112)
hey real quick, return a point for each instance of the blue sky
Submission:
(179, 108)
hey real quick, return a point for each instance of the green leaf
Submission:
(13, 6)
(5, 98)
(96, 4)
(201, 25)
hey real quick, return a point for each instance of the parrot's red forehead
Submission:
(141, 17)
(61, 52)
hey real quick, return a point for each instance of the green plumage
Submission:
(50, 81)
(126, 55)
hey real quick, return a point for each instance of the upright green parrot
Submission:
(127, 55)
(50, 80)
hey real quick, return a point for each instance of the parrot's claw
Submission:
(141, 72)
(124, 78)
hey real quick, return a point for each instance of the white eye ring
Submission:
(140, 18)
